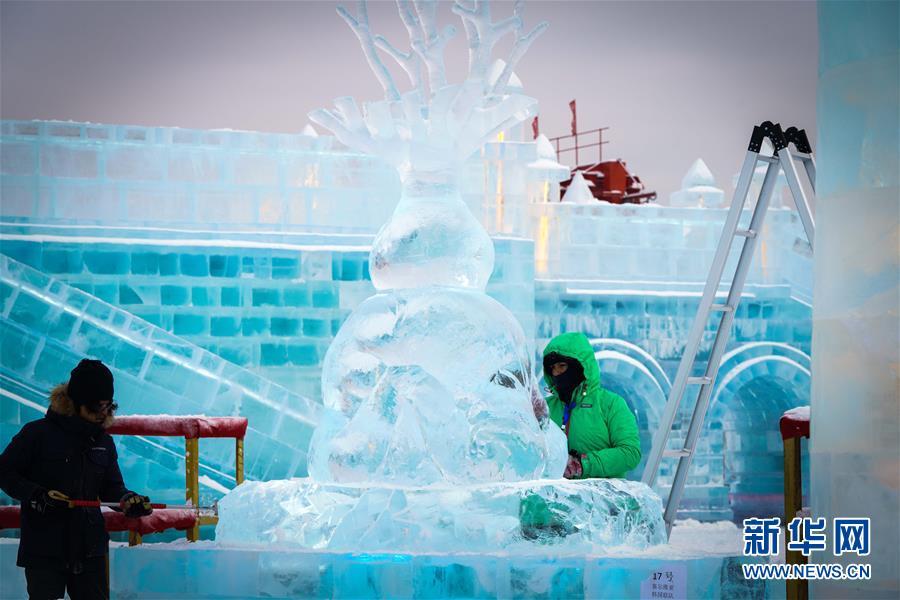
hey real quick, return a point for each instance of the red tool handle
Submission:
(97, 503)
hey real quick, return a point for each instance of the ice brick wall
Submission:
(660, 244)
(65, 172)
(87, 173)
(270, 303)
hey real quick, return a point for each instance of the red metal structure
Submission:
(610, 180)
(191, 429)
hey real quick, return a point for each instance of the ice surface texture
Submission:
(431, 239)
(588, 516)
(429, 386)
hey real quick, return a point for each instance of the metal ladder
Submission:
(782, 159)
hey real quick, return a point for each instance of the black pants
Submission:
(48, 584)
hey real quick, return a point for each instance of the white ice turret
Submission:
(698, 188)
(579, 191)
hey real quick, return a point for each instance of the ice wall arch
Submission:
(631, 372)
(757, 383)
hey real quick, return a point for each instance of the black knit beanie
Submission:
(90, 383)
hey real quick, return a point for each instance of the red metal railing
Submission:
(577, 146)
(192, 429)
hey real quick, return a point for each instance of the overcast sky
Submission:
(673, 80)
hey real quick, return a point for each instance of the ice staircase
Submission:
(47, 326)
(267, 302)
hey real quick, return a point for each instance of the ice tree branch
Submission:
(428, 43)
(519, 49)
(410, 61)
(360, 26)
(478, 20)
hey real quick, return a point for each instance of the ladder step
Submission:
(722, 307)
(677, 453)
(699, 380)
(747, 233)
(768, 159)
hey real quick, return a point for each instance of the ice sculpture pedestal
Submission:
(585, 516)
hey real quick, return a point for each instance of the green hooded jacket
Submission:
(601, 426)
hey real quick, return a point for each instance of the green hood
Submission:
(577, 346)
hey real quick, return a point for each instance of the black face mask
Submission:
(565, 383)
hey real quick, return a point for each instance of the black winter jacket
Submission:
(66, 453)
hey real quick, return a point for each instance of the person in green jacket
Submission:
(602, 432)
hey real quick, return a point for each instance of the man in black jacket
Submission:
(68, 454)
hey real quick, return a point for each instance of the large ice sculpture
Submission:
(434, 432)
(431, 381)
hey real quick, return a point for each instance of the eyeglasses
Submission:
(107, 407)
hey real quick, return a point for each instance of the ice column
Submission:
(855, 447)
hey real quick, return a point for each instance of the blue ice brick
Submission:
(127, 295)
(231, 296)
(272, 355)
(303, 354)
(365, 270)
(224, 326)
(754, 309)
(630, 306)
(144, 263)
(247, 264)
(283, 326)
(194, 265)
(335, 326)
(153, 317)
(107, 263)
(53, 364)
(60, 325)
(351, 268)
(168, 264)
(83, 286)
(108, 292)
(266, 297)
(316, 327)
(129, 359)
(296, 296)
(200, 296)
(26, 252)
(16, 349)
(174, 295)
(224, 266)
(189, 324)
(324, 295)
(253, 325)
(336, 266)
(768, 310)
(285, 268)
(61, 261)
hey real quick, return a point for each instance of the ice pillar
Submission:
(855, 447)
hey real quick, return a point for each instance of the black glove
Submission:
(45, 500)
(135, 505)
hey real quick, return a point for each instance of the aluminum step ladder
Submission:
(782, 159)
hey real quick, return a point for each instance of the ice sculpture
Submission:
(698, 188)
(432, 356)
(579, 191)
(434, 431)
